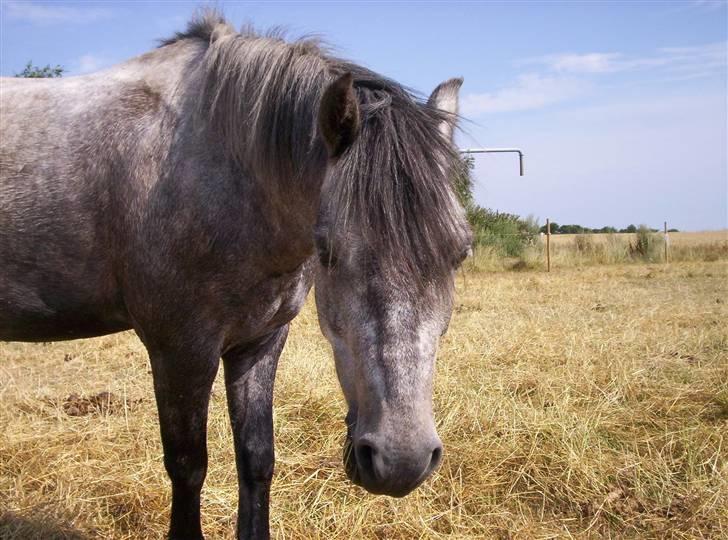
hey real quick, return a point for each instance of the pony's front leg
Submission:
(182, 385)
(249, 375)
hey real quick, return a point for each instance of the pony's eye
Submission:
(326, 258)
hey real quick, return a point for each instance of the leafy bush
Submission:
(506, 234)
(36, 72)
(646, 245)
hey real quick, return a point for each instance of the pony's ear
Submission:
(339, 115)
(445, 98)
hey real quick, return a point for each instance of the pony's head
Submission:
(390, 235)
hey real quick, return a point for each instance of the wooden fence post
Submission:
(667, 243)
(548, 245)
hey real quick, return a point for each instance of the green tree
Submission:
(36, 72)
(571, 229)
(554, 228)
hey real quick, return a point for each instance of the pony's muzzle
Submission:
(384, 470)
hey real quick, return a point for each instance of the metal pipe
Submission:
(496, 150)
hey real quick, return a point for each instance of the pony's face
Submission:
(384, 330)
(384, 325)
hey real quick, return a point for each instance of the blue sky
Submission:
(620, 107)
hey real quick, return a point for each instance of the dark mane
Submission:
(393, 185)
(199, 27)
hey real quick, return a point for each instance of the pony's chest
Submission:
(274, 302)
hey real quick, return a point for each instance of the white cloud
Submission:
(700, 58)
(564, 77)
(531, 91)
(697, 60)
(89, 63)
(585, 63)
(709, 5)
(49, 14)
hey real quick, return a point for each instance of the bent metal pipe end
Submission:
(498, 151)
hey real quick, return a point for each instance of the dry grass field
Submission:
(591, 402)
(569, 250)
(676, 238)
(706, 245)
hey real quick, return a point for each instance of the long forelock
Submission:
(394, 187)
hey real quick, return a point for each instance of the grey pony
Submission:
(194, 194)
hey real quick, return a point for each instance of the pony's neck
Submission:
(261, 95)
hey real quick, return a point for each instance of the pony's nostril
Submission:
(435, 459)
(365, 458)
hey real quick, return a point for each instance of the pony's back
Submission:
(74, 152)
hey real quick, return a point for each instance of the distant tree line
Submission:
(578, 229)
